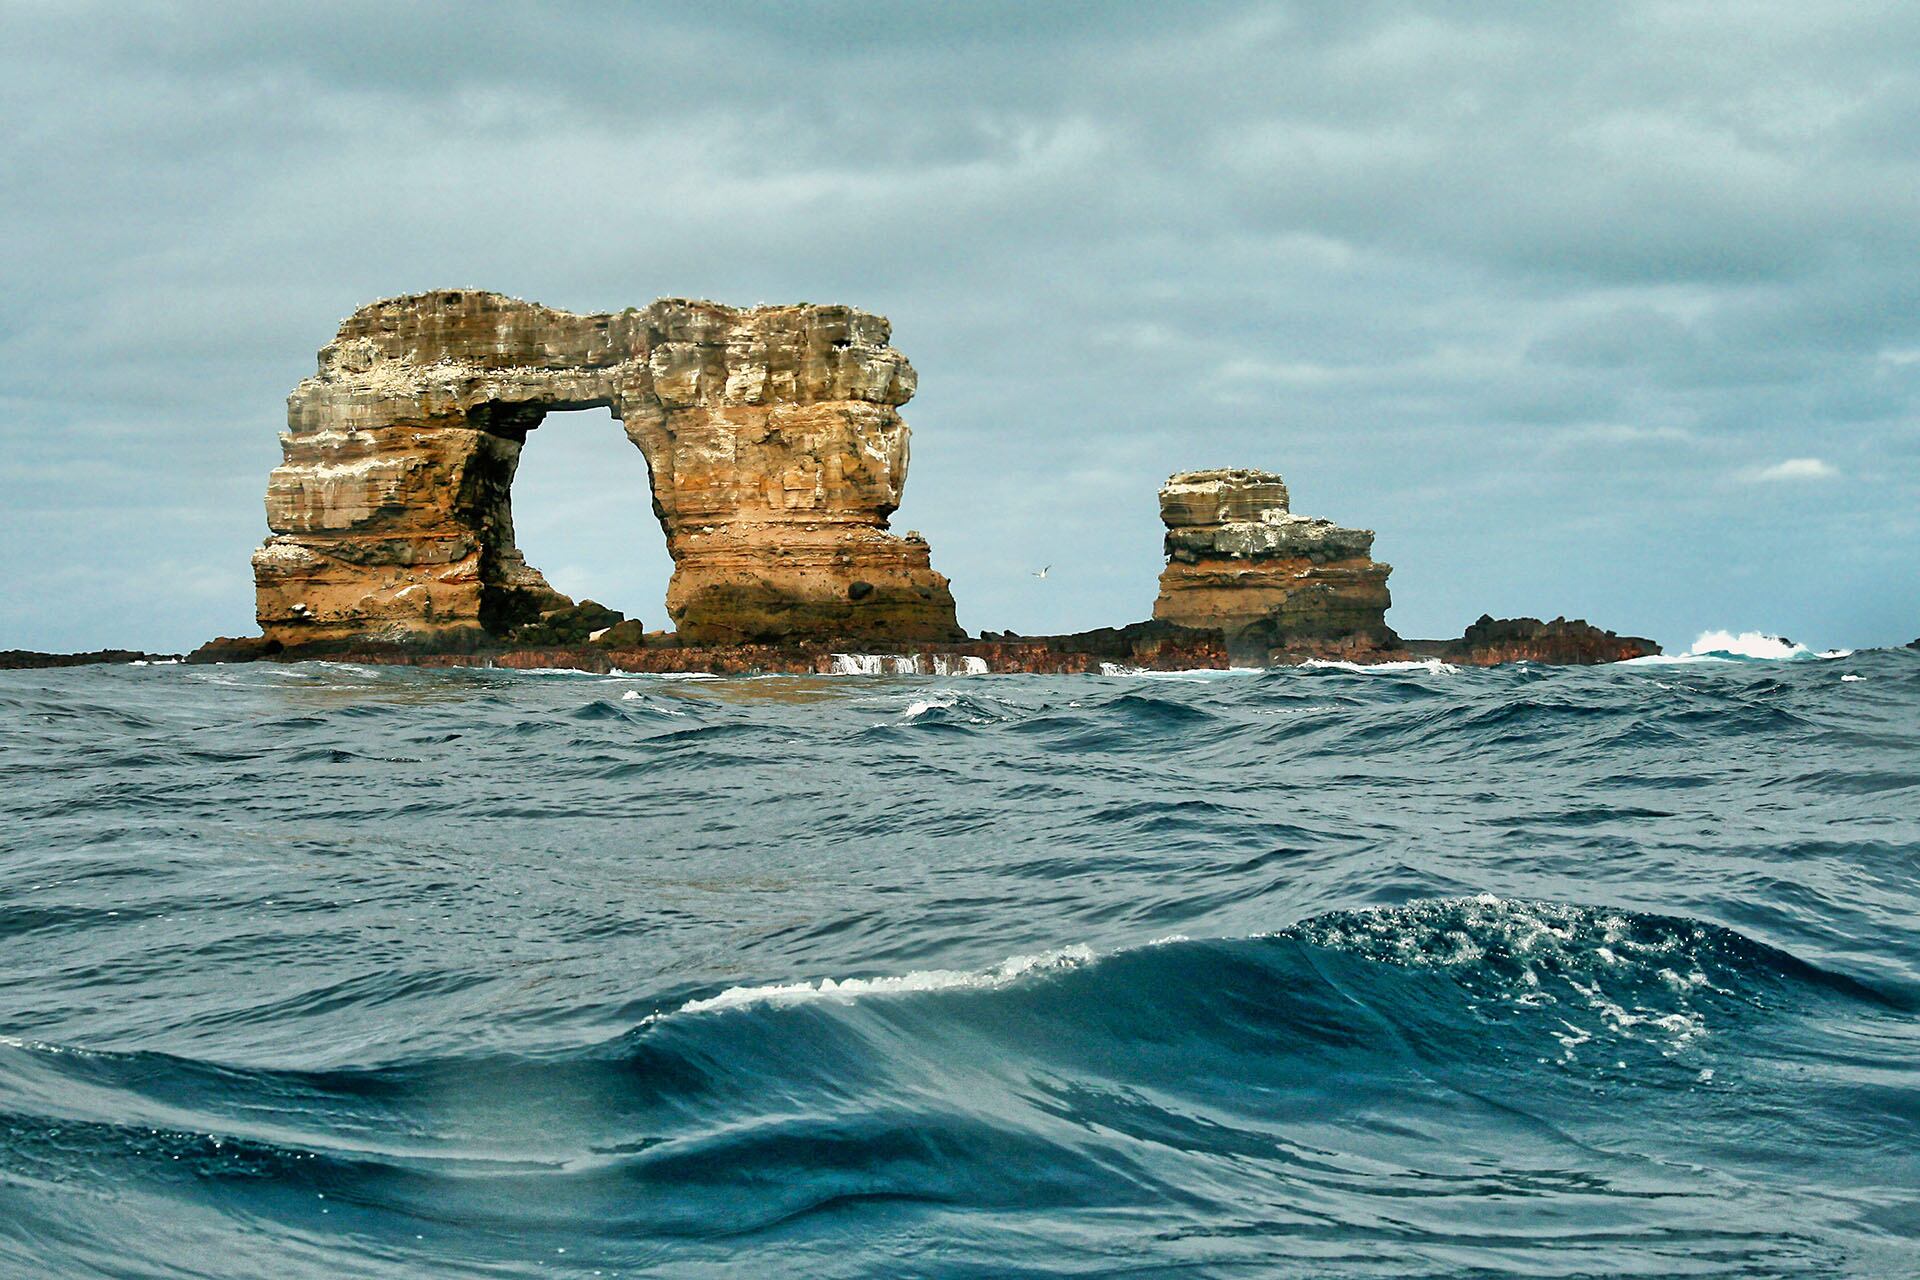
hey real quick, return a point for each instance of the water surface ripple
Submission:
(322, 971)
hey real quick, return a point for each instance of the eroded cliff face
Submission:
(1240, 561)
(772, 436)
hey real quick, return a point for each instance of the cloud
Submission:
(1790, 470)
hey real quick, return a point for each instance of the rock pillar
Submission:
(1239, 560)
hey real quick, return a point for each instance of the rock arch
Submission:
(772, 437)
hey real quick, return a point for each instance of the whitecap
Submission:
(1598, 955)
(1433, 666)
(875, 664)
(1756, 646)
(634, 695)
(1189, 673)
(843, 991)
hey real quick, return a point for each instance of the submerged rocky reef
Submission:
(776, 455)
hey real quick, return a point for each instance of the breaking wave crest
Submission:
(1748, 646)
(789, 993)
(1167, 1081)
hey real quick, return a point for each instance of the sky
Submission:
(1610, 311)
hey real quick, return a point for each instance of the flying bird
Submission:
(1041, 572)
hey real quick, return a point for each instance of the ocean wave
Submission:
(854, 977)
(1748, 646)
(650, 703)
(1632, 968)
(954, 707)
(1358, 1058)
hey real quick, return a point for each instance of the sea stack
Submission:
(1240, 561)
(772, 437)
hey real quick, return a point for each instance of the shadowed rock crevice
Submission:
(774, 447)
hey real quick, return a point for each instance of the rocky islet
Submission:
(776, 455)
(1240, 561)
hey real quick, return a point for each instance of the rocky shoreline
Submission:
(34, 659)
(1145, 646)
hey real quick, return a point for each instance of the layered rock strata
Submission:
(772, 436)
(1240, 561)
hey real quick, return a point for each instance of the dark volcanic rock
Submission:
(236, 649)
(1153, 645)
(32, 659)
(1158, 645)
(1493, 640)
(630, 634)
(572, 625)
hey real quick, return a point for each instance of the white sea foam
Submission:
(907, 664)
(1748, 646)
(1433, 666)
(1190, 673)
(874, 664)
(634, 695)
(844, 991)
(1671, 660)
(1542, 947)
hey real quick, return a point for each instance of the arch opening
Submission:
(572, 525)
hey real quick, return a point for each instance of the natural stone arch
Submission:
(772, 437)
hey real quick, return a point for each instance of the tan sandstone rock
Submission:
(772, 436)
(1239, 560)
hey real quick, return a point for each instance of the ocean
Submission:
(335, 971)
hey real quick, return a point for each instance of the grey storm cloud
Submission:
(1605, 310)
